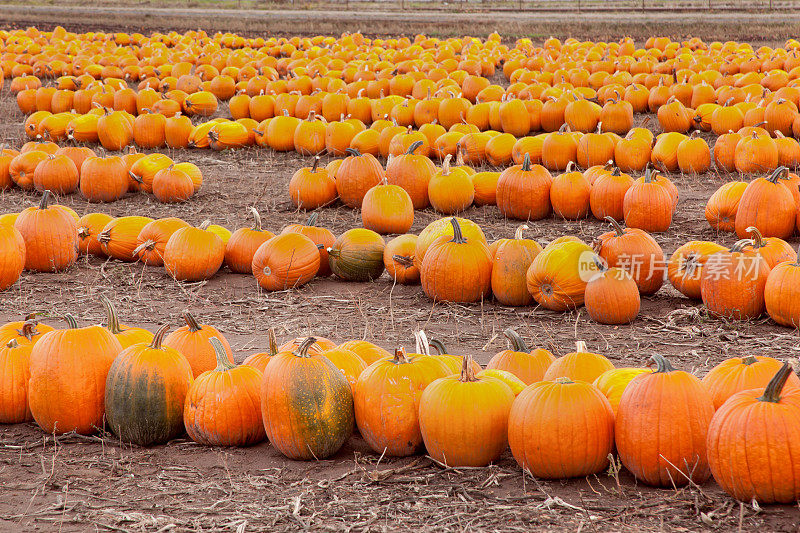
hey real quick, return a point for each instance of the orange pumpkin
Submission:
(193, 341)
(286, 261)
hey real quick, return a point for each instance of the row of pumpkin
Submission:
(741, 282)
(44, 166)
(308, 396)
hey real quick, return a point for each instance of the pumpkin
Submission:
(755, 153)
(395, 386)
(357, 255)
(260, 360)
(56, 173)
(126, 336)
(50, 234)
(194, 254)
(607, 195)
(192, 340)
(529, 366)
(767, 205)
(312, 187)
(413, 173)
(662, 425)
(780, 294)
(772, 249)
(27, 332)
(740, 374)
(694, 156)
(685, 267)
(458, 411)
(580, 365)
(648, 205)
(441, 227)
(286, 261)
(634, 250)
(725, 151)
(243, 243)
(444, 275)
(12, 255)
(143, 171)
(664, 155)
(732, 283)
(15, 362)
(348, 362)
(22, 168)
(569, 194)
(145, 391)
(366, 350)
(559, 149)
(68, 367)
(119, 238)
(223, 406)
(153, 238)
(514, 383)
(104, 179)
(722, 206)
(114, 130)
(171, 185)
(511, 259)
(387, 209)
(523, 191)
(450, 190)
(751, 443)
(612, 296)
(306, 404)
(322, 237)
(558, 276)
(356, 175)
(546, 411)
(398, 259)
(612, 383)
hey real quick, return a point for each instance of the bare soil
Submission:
(76, 483)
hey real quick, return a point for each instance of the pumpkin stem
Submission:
(312, 219)
(738, 246)
(223, 363)
(467, 372)
(257, 217)
(353, 152)
(615, 225)
(774, 388)
(158, 338)
(601, 265)
(302, 350)
(446, 165)
(400, 356)
(580, 347)
(749, 360)
(563, 380)
(517, 342)
(779, 173)
(111, 314)
(315, 165)
(518, 233)
(413, 147)
(458, 237)
(191, 322)
(45, 201)
(204, 226)
(273, 343)
(526, 163)
(438, 345)
(755, 235)
(403, 260)
(71, 322)
(12, 344)
(28, 329)
(662, 365)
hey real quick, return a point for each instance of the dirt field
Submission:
(83, 483)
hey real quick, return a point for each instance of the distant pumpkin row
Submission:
(157, 387)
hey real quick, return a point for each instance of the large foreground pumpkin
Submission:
(464, 419)
(661, 428)
(223, 405)
(68, 378)
(754, 443)
(547, 411)
(145, 392)
(387, 396)
(306, 404)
